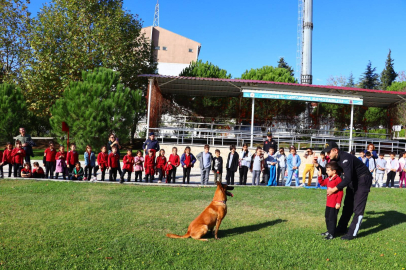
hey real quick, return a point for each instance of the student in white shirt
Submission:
(244, 164)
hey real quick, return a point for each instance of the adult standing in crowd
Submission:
(371, 149)
(269, 143)
(358, 180)
(113, 141)
(26, 143)
(151, 143)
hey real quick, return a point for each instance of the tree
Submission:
(337, 80)
(13, 110)
(94, 107)
(402, 76)
(369, 79)
(282, 64)
(207, 106)
(14, 39)
(71, 36)
(401, 108)
(269, 111)
(350, 81)
(388, 75)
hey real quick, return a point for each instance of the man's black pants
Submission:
(354, 203)
(331, 219)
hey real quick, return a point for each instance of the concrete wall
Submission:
(172, 69)
(177, 46)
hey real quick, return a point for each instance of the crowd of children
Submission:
(278, 168)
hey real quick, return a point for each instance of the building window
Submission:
(190, 50)
(164, 48)
(157, 48)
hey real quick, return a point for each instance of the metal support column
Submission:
(150, 82)
(252, 122)
(351, 124)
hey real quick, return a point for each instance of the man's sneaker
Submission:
(347, 237)
(302, 185)
(328, 237)
(324, 234)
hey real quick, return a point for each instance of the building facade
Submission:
(172, 51)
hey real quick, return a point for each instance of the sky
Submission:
(239, 35)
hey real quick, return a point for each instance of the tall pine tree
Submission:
(369, 79)
(388, 75)
(282, 64)
(350, 81)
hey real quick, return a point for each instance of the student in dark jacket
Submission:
(232, 165)
(217, 166)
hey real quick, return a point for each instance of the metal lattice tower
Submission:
(299, 52)
(156, 15)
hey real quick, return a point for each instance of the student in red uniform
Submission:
(102, 163)
(128, 166)
(160, 165)
(26, 171)
(1, 164)
(149, 165)
(37, 172)
(112, 163)
(49, 161)
(60, 167)
(18, 155)
(173, 163)
(71, 159)
(334, 200)
(187, 160)
(8, 159)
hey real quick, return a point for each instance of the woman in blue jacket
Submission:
(90, 162)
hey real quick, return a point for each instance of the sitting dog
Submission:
(211, 216)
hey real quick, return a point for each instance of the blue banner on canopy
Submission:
(304, 97)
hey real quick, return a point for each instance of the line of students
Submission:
(380, 166)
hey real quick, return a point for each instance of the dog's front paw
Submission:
(217, 238)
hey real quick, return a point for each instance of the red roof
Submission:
(197, 86)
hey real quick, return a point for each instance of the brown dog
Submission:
(210, 217)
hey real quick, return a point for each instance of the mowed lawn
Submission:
(58, 225)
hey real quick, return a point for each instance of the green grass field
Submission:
(51, 225)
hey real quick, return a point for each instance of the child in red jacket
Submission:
(37, 172)
(334, 200)
(49, 161)
(128, 165)
(7, 159)
(71, 159)
(173, 163)
(102, 163)
(112, 162)
(149, 165)
(18, 155)
(1, 164)
(160, 165)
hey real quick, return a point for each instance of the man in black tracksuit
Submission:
(358, 180)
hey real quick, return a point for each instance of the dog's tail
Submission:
(170, 235)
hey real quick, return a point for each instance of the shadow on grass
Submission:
(249, 228)
(380, 221)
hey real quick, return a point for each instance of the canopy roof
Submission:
(215, 87)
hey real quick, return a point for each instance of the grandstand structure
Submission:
(214, 133)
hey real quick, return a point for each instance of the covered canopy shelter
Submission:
(254, 89)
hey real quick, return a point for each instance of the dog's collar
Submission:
(225, 202)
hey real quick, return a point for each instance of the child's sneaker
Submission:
(84, 178)
(324, 234)
(159, 182)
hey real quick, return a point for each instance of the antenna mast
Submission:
(299, 51)
(156, 15)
